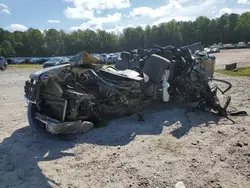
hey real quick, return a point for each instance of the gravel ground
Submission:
(170, 146)
(239, 56)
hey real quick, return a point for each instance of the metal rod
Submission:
(64, 110)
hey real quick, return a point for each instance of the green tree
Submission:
(148, 37)
(1, 51)
(53, 42)
(229, 28)
(35, 41)
(8, 50)
(202, 34)
(213, 33)
(187, 30)
(243, 27)
(231, 25)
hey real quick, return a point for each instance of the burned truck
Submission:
(75, 97)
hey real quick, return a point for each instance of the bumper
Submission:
(55, 127)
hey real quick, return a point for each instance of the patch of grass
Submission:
(241, 72)
(25, 66)
(35, 66)
(112, 65)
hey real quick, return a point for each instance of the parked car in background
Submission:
(208, 50)
(212, 50)
(34, 61)
(215, 50)
(248, 44)
(18, 61)
(229, 46)
(3, 63)
(242, 45)
(112, 59)
(55, 61)
(220, 46)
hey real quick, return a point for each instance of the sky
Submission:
(110, 15)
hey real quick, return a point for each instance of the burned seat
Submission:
(155, 68)
(168, 54)
(135, 61)
(154, 51)
(124, 62)
(141, 52)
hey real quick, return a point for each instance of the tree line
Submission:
(229, 28)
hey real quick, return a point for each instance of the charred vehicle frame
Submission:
(74, 97)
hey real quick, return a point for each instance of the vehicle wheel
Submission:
(36, 126)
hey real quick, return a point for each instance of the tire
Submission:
(37, 127)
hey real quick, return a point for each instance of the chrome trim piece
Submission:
(46, 120)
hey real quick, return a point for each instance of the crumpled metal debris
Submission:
(75, 97)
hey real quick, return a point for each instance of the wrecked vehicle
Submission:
(75, 97)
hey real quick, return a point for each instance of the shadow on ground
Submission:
(121, 131)
(19, 157)
(21, 152)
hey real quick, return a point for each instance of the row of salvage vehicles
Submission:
(75, 97)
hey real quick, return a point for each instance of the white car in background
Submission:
(215, 50)
(212, 50)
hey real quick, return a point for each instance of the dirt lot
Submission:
(196, 148)
(240, 56)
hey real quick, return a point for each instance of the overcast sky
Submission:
(111, 15)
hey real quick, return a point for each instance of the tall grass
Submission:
(25, 66)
